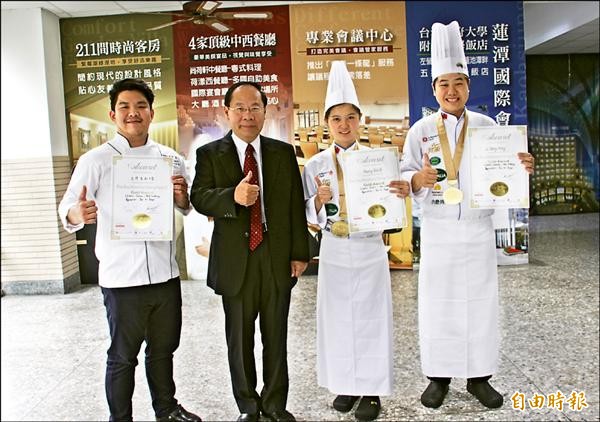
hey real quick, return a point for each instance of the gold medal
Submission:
(499, 189)
(376, 211)
(452, 195)
(141, 221)
(340, 229)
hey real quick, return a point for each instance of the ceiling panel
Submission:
(68, 9)
(583, 39)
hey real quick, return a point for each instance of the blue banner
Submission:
(493, 37)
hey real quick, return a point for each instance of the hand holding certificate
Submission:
(142, 198)
(498, 179)
(371, 205)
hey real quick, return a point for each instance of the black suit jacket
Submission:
(218, 172)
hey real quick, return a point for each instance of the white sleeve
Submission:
(312, 216)
(310, 191)
(412, 162)
(188, 180)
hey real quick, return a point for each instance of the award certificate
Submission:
(371, 206)
(142, 195)
(498, 179)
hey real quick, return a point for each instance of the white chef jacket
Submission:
(354, 298)
(121, 263)
(458, 282)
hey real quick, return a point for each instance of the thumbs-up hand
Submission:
(426, 162)
(83, 193)
(323, 195)
(426, 177)
(83, 211)
(246, 193)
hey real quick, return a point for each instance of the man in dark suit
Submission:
(251, 186)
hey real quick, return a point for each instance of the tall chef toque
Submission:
(340, 88)
(447, 54)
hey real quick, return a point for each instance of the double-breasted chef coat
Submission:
(458, 282)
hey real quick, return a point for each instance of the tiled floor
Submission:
(54, 347)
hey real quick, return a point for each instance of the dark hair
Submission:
(233, 87)
(130, 85)
(353, 106)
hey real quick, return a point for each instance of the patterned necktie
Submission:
(256, 233)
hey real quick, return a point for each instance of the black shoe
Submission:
(179, 415)
(280, 416)
(434, 394)
(248, 417)
(485, 393)
(368, 408)
(344, 403)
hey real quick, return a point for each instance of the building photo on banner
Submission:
(288, 49)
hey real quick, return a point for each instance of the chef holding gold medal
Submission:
(458, 282)
(353, 268)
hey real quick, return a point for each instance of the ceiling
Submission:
(583, 39)
(551, 27)
(72, 9)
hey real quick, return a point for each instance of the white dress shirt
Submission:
(241, 146)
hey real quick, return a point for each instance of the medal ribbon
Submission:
(452, 163)
(340, 179)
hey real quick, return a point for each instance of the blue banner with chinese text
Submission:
(493, 38)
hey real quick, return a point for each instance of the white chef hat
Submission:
(340, 88)
(447, 53)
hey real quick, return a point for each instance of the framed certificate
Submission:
(498, 179)
(142, 198)
(370, 205)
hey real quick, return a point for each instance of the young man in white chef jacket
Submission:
(458, 282)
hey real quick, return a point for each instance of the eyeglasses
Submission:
(244, 110)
